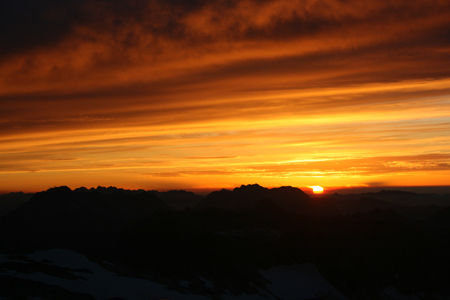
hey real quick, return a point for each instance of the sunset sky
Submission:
(212, 94)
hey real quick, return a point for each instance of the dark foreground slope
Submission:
(11, 201)
(363, 244)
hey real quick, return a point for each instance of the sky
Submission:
(210, 94)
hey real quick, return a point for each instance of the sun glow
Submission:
(317, 189)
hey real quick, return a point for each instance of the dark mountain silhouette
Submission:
(255, 197)
(79, 216)
(415, 204)
(179, 199)
(362, 243)
(441, 218)
(11, 201)
(404, 198)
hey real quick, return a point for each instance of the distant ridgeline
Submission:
(362, 243)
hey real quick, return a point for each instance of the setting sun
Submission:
(317, 189)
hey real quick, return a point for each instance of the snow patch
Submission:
(286, 282)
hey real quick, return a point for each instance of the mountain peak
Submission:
(250, 187)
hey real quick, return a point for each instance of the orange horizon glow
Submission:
(206, 95)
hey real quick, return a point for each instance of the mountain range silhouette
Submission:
(362, 243)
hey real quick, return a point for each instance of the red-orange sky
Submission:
(205, 94)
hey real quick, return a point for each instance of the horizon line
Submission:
(207, 190)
